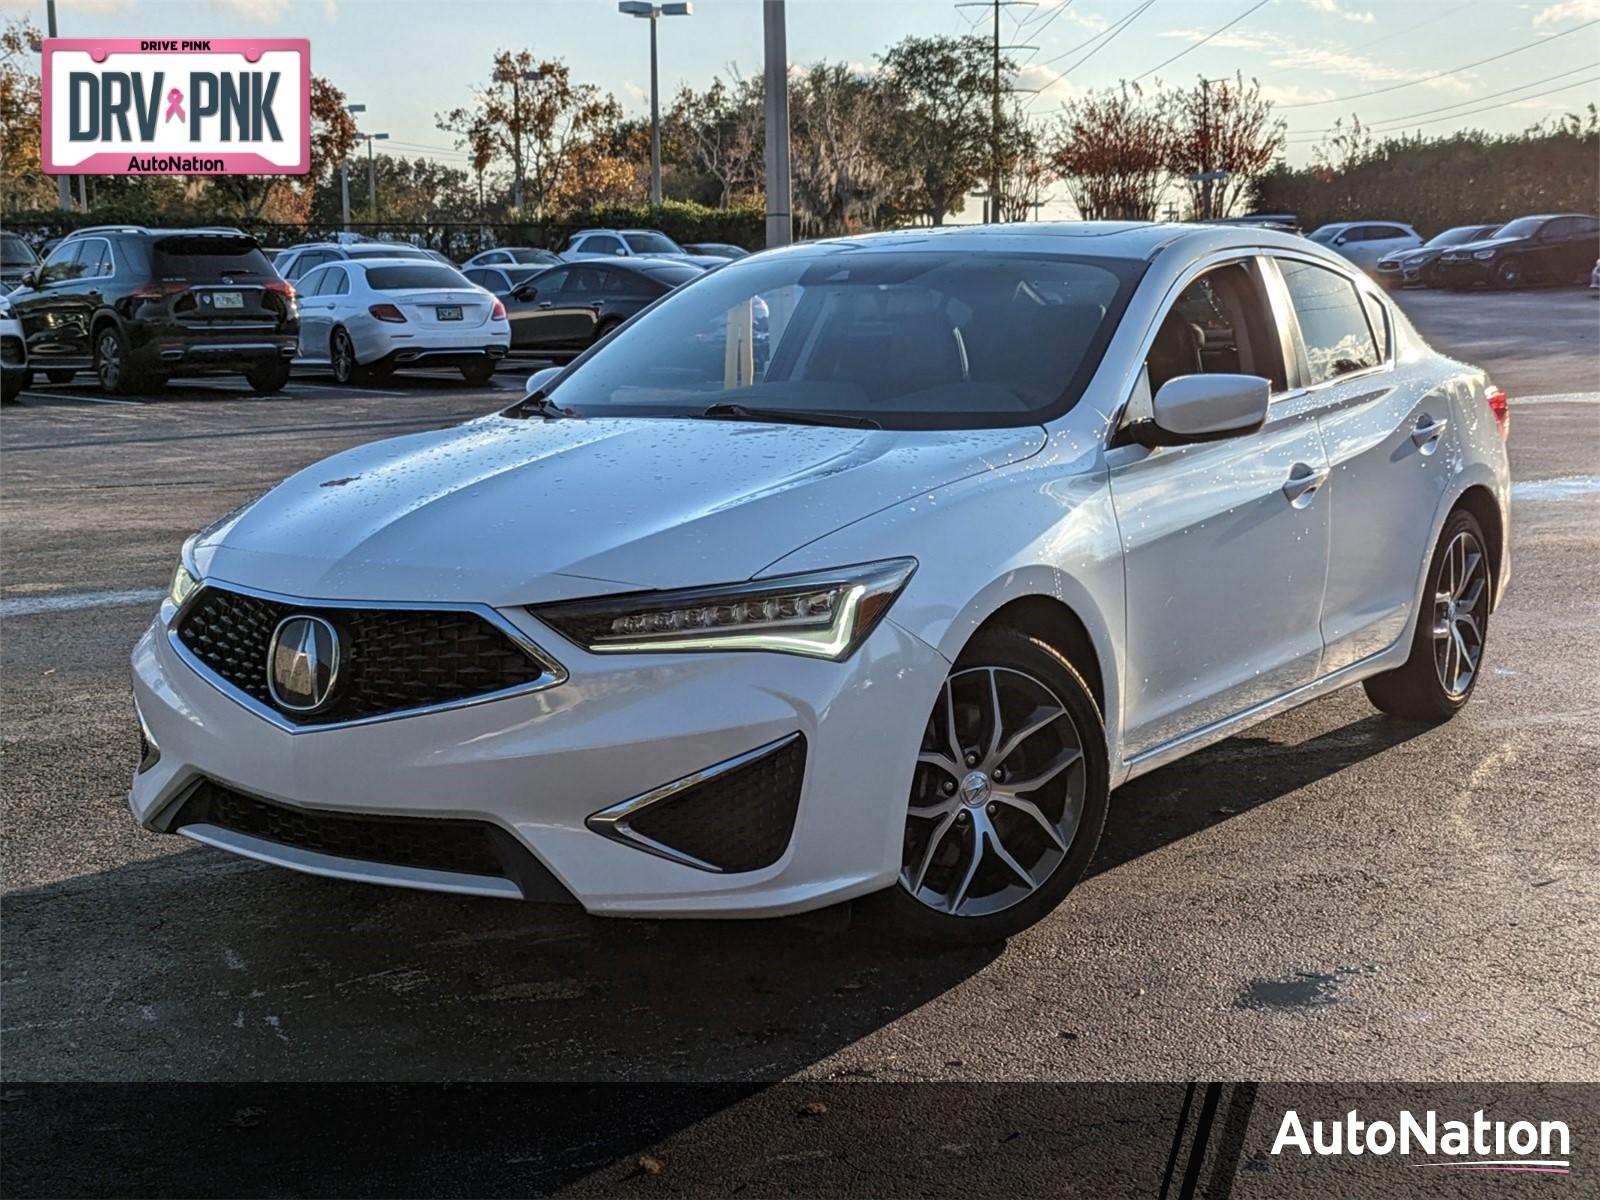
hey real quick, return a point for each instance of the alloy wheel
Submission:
(344, 357)
(1460, 603)
(998, 793)
(110, 364)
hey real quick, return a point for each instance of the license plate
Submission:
(227, 299)
(449, 312)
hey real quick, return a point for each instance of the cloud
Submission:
(634, 92)
(1052, 88)
(94, 7)
(1293, 93)
(1333, 9)
(1567, 10)
(262, 12)
(1289, 55)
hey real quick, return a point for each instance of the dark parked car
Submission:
(1554, 248)
(137, 305)
(1421, 266)
(16, 260)
(565, 309)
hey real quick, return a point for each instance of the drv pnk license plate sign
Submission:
(212, 106)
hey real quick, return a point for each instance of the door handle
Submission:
(1303, 483)
(546, 304)
(1425, 435)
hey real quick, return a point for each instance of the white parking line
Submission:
(33, 605)
(82, 399)
(1557, 398)
(1566, 488)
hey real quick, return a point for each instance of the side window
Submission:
(479, 277)
(62, 263)
(603, 244)
(1219, 324)
(1559, 229)
(310, 282)
(306, 261)
(337, 282)
(552, 284)
(1333, 321)
(94, 260)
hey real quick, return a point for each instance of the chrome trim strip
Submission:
(359, 870)
(552, 674)
(613, 822)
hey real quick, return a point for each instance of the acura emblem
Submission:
(302, 663)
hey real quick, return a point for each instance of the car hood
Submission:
(504, 511)
(1485, 244)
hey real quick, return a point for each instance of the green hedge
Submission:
(681, 220)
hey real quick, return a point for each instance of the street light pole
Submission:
(780, 222)
(372, 175)
(344, 171)
(63, 183)
(651, 13)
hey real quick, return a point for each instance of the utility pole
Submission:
(63, 183)
(1207, 175)
(344, 171)
(372, 176)
(991, 202)
(780, 221)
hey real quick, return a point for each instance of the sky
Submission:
(1394, 63)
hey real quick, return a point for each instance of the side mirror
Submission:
(1205, 408)
(1341, 239)
(540, 379)
(30, 279)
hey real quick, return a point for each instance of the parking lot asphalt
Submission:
(1331, 896)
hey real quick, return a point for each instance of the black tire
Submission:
(13, 385)
(1084, 787)
(478, 373)
(1416, 690)
(1511, 273)
(268, 377)
(60, 375)
(342, 358)
(117, 375)
(604, 330)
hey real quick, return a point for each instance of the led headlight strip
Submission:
(824, 614)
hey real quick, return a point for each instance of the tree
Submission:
(719, 135)
(1026, 169)
(941, 90)
(21, 184)
(1112, 149)
(838, 123)
(1222, 125)
(536, 124)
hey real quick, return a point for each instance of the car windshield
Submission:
(14, 251)
(202, 257)
(904, 339)
(1520, 228)
(1454, 237)
(423, 275)
(1326, 234)
(651, 243)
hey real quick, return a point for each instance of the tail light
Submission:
(158, 291)
(388, 312)
(281, 287)
(498, 312)
(1501, 408)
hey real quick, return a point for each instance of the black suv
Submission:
(138, 305)
(1555, 248)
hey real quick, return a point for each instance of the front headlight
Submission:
(1483, 255)
(823, 614)
(185, 578)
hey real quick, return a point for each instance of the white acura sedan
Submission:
(995, 520)
(368, 317)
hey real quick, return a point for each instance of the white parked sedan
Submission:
(373, 316)
(998, 519)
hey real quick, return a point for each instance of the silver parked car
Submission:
(1365, 242)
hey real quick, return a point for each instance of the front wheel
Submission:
(14, 384)
(1008, 797)
(1452, 627)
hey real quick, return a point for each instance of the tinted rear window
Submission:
(200, 258)
(386, 252)
(423, 275)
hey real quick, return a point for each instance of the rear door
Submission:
(55, 321)
(316, 312)
(1225, 543)
(1387, 444)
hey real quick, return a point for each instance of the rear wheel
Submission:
(478, 373)
(603, 330)
(268, 377)
(60, 376)
(116, 374)
(1452, 626)
(342, 357)
(1008, 797)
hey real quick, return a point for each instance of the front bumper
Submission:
(1462, 272)
(539, 765)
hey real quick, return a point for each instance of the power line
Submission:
(1449, 12)
(1202, 41)
(1441, 74)
(1566, 87)
(1109, 35)
(1500, 92)
(1138, 8)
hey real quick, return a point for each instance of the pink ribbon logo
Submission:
(175, 105)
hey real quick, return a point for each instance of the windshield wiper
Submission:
(787, 416)
(537, 404)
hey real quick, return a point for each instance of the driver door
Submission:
(1225, 543)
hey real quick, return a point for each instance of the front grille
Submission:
(452, 845)
(741, 820)
(391, 660)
